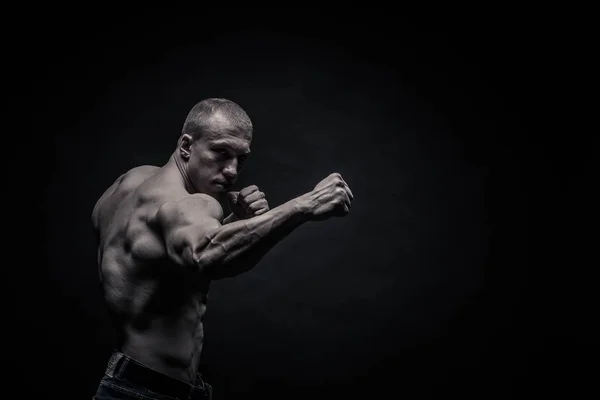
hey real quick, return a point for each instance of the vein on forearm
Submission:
(241, 244)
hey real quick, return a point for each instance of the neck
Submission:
(187, 182)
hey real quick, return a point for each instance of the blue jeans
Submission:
(126, 379)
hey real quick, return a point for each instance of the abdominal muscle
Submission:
(159, 311)
(168, 345)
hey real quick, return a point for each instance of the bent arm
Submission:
(199, 241)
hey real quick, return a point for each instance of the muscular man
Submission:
(162, 238)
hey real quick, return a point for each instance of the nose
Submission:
(231, 170)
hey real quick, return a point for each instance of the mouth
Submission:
(222, 185)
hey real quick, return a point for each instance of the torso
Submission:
(158, 306)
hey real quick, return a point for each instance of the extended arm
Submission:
(196, 239)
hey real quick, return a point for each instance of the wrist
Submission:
(304, 205)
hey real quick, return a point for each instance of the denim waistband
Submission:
(121, 366)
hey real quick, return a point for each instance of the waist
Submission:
(174, 352)
(121, 366)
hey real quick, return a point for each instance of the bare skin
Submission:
(162, 238)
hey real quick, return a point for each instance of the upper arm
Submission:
(185, 224)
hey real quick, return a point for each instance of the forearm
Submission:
(239, 245)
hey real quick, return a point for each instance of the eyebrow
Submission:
(229, 143)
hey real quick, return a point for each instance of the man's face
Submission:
(216, 160)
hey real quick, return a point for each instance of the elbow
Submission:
(197, 258)
(188, 249)
(182, 254)
(207, 253)
(208, 256)
(207, 260)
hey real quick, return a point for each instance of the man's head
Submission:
(213, 146)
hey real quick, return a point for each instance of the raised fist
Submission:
(248, 202)
(331, 198)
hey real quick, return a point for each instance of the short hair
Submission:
(198, 120)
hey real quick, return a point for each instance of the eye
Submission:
(221, 152)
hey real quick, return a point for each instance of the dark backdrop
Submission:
(423, 291)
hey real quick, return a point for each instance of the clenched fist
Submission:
(330, 198)
(248, 202)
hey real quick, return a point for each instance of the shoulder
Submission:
(190, 207)
(121, 187)
(135, 176)
(131, 179)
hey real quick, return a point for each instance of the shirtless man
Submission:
(162, 238)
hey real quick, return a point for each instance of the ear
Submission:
(185, 144)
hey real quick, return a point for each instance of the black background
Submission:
(430, 287)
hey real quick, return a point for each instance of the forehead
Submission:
(221, 124)
(225, 132)
(234, 142)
